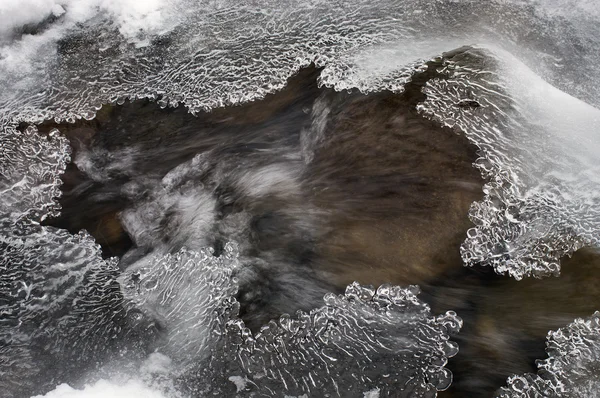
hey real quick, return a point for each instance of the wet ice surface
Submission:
(212, 54)
(366, 339)
(54, 285)
(539, 150)
(538, 146)
(30, 179)
(571, 369)
(188, 296)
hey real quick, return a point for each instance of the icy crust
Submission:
(67, 301)
(30, 165)
(538, 152)
(188, 295)
(366, 339)
(572, 368)
(220, 53)
(60, 306)
(210, 54)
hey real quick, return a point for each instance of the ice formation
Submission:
(366, 339)
(539, 151)
(383, 338)
(527, 95)
(54, 285)
(572, 368)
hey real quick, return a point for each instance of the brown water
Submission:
(354, 188)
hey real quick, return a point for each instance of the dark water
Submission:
(320, 189)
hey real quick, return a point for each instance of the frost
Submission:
(572, 368)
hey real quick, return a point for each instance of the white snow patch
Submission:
(239, 381)
(156, 363)
(105, 389)
(374, 393)
(131, 16)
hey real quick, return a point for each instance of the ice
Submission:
(367, 339)
(61, 308)
(60, 305)
(60, 293)
(539, 150)
(29, 181)
(211, 54)
(572, 368)
(182, 294)
(217, 53)
(69, 315)
(527, 96)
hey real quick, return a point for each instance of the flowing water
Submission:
(266, 198)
